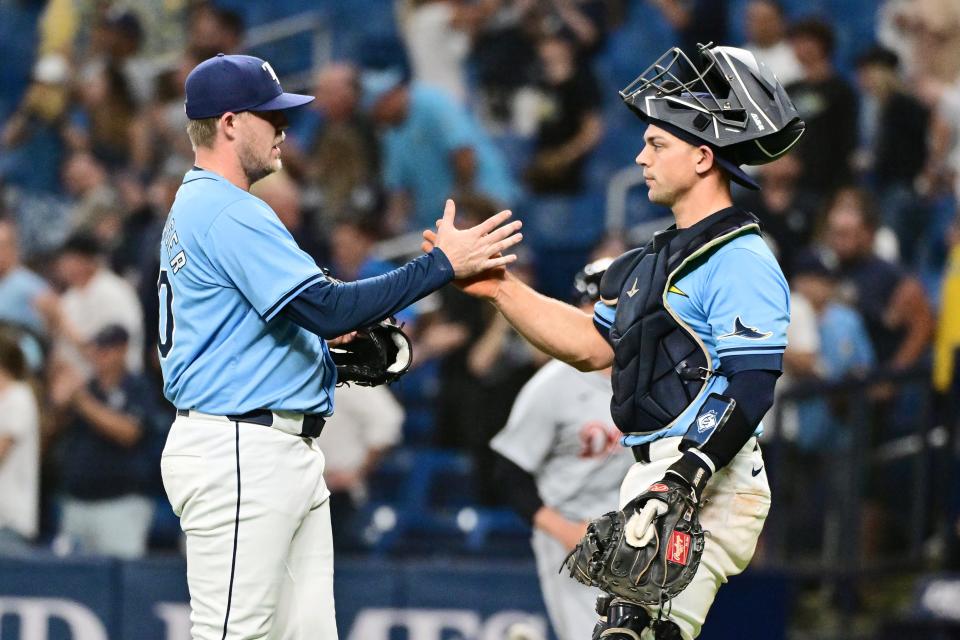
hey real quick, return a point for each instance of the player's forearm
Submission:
(554, 327)
(331, 309)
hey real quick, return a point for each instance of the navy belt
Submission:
(312, 423)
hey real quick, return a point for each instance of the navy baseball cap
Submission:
(236, 83)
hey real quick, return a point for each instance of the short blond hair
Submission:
(202, 132)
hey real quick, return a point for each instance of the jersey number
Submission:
(165, 335)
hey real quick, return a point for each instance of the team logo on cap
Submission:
(273, 74)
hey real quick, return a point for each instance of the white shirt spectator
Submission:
(437, 50)
(20, 466)
(107, 299)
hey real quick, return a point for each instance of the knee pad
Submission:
(625, 620)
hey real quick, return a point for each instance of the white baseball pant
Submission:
(737, 502)
(255, 510)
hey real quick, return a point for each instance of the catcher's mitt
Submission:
(379, 354)
(651, 574)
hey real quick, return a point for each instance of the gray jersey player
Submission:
(559, 452)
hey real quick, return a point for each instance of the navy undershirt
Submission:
(331, 308)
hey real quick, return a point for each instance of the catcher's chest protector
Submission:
(660, 364)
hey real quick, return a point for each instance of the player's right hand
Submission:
(480, 248)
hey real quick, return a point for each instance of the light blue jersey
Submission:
(738, 304)
(227, 267)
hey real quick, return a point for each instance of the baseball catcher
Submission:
(694, 326)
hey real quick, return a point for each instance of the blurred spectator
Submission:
(31, 137)
(115, 42)
(893, 303)
(213, 30)
(157, 132)
(364, 427)
(102, 121)
(585, 22)
(933, 27)
(569, 126)
(19, 453)
(436, 43)
(696, 22)
(25, 298)
(505, 60)
(284, 197)
(799, 364)
(787, 212)
(106, 463)
(767, 40)
(95, 298)
(334, 146)
(845, 351)
(96, 209)
(828, 106)
(433, 149)
(894, 131)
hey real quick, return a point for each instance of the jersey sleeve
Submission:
(253, 249)
(747, 306)
(603, 315)
(528, 437)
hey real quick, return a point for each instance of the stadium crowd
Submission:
(501, 103)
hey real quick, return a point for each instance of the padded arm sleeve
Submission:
(753, 391)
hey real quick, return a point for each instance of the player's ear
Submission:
(228, 124)
(705, 159)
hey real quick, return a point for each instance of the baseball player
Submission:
(245, 320)
(694, 324)
(559, 455)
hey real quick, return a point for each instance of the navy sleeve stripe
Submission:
(731, 365)
(602, 321)
(766, 347)
(289, 295)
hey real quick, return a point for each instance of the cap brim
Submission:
(737, 174)
(283, 101)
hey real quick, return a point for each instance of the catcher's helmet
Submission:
(731, 102)
(586, 283)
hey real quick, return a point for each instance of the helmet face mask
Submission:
(730, 101)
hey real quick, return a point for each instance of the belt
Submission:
(641, 452)
(311, 427)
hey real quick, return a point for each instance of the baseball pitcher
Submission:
(247, 320)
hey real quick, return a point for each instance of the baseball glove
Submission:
(379, 354)
(666, 562)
